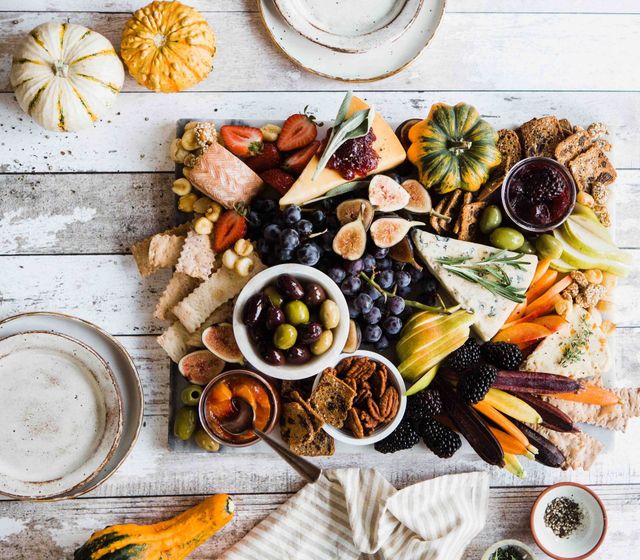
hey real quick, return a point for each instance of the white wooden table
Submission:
(71, 205)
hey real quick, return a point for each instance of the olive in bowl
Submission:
(291, 321)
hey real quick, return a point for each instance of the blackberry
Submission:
(474, 385)
(443, 441)
(464, 357)
(425, 404)
(503, 355)
(404, 436)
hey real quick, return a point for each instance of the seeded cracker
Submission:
(508, 145)
(572, 146)
(541, 136)
(197, 257)
(469, 218)
(332, 400)
(140, 250)
(174, 341)
(321, 444)
(592, 168)
(295, 424)
(314, 417)
(179, 287)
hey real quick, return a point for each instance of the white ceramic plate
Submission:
(351, 26)
(377, 63)
(60, 414)
(121, 365)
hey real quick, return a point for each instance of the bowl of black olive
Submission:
(291, 321)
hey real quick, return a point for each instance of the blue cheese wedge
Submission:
(492, 310)
(579, 349)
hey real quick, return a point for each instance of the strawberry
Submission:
(268, 159)
(278, 179)
(242, 141)
(297, 161)
(297, 131)
(229, 227)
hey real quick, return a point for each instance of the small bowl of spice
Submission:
(568, 521)
(509, 549)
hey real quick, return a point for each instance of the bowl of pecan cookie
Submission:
(361, 398)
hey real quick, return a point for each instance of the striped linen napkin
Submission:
(355, 513)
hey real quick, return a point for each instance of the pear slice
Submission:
(594, 227)
(577, 259)
(584, 240)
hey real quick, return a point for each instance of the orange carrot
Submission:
(590, 394)
(547, 280)
(501, 420)
(552, 322)
(549, 295)
(518, 311)
(508, 443)
(543, 266)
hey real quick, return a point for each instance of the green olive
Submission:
(329, 314)
(205, 441)
(527, 247)
(285, 336)
(297, 312)
(506, 238)
(274, 296)
(490, 219)
(185, 423)
(549, 247)
(191, 394)
(323, 344)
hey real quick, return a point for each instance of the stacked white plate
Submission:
(71, 406)
(352, 40)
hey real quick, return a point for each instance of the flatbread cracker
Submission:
(174, 341)
(322, 444)
(580, 450)
(592, 168)
(316, 420)
(295, 424)
(223, 314)
(220, 287)
(140, 250)
(178, 288)
(164, 250)
(572, 146)
(490, 187)
(469, 218)
(331, 399)
(197, 257)
(541, 136)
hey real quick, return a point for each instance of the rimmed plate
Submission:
(377, 63)
(122, 367)
(350, 26)
(60, 414)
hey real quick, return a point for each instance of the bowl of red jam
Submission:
(216, 405)
(538, 194)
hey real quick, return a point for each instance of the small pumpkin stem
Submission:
(458, 147)
(61, 68)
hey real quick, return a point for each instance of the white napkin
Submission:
(355, 513)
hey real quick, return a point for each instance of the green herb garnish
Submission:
(489, 273)
(356, 126)
(573, 349)
(507, 553)
(337, 191)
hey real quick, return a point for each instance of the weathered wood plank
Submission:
(54, 530)
(524, 39)
(107, 212)
(137, 135)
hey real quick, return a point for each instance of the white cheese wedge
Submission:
(579, 349)
(492, 310)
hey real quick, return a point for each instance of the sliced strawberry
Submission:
(268, 159)
(297, 161)
(278, 179)
(230, 227)
(297, 131)
(242, 141)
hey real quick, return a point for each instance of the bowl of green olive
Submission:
(291, 321)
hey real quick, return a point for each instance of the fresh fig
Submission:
(352, 210)
(351, 241)
(219, 340)
(387, 232)
(402, 132)
(403, 252)
(200, 366)
(386, 194)
(419, 198)
(354, 338)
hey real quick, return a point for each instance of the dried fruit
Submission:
(219, 340)
(386, 194)
(387, 232)
(351, 241)
(352, 210)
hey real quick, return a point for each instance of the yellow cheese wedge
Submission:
(386, 145)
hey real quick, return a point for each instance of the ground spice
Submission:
(563, 516)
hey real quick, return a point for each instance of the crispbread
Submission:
(508, 145)
(197, 257)
(221, 286)
(573, 145)
(164, 250)
(541, 136)
(174, 341)
(316, 420)
(179, 287)
(566, 127)
(322, 444)
(580, 450)
(223, 314)
(332, 399)
(140, 250)
(592, 168)
(295, 424)
(469, 218)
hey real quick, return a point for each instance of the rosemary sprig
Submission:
(488, 273)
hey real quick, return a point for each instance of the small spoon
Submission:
(244, 421)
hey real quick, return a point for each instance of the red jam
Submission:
(539, 194)
(356, 157)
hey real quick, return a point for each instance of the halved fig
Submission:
(387, 232)
(219, 340)
(402, 132)
(351, 241)
(200, 366)
(357, 208)
(403, 252)
(419, 198)
(386, 194)
(354, 338)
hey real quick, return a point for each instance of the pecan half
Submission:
(368, 422)
(354, 424)
(344, 365)
(389, 404)
(374, 409)
(362, 369)
(378, 381)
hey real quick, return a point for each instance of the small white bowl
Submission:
(529, 555)
(379, 433)
(317, 363)
(585, 540)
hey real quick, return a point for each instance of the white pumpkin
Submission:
(66, 76)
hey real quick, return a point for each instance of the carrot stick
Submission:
(501, 420)
(590, 394)
(541, 286)
(543, 266)
(508, 443)
(549, 295)
(518, 311)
